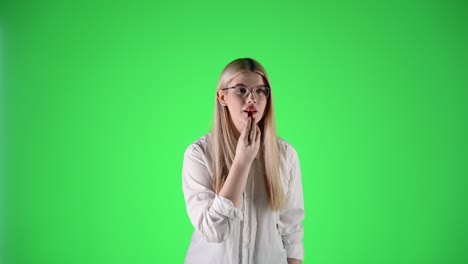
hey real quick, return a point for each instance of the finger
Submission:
(243, 135)
(252, 130)
(246, 132)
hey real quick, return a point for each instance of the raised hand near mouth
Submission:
(247, 148)
(248, 144)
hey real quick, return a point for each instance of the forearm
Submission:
(235, 182)
(294, 261)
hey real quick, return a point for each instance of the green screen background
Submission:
(100, 99)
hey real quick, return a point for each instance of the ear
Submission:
(221, 97)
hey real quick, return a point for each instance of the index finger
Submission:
(246, 131)
(252, 129)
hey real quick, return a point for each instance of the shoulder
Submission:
(200, 147)
(286, 148)
(288, 155)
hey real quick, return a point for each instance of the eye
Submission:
(261, 90)
(241, 90)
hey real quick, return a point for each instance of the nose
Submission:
(251, 98)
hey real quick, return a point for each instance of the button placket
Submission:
(244, 253)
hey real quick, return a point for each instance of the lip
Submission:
(247, 113)
(250, 108)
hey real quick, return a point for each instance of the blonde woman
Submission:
(241, 183)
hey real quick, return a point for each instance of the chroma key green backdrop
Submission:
(99, 100)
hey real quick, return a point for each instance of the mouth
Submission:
(250, 113)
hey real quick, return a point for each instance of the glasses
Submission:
(261, 93)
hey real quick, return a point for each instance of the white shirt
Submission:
(253, 233)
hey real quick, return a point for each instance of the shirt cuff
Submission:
(295, 251)
(224, 206)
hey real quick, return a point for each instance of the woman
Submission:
(241, 183)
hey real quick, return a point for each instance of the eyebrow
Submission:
(241, 84)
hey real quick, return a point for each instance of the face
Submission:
(238, 105)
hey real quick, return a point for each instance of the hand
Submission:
(249, 142)
(294, 261)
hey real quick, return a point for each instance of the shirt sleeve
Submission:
(211, 214)
(292, 215)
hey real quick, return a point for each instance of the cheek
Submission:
(235, 105)
(262, 113)
(263, 108)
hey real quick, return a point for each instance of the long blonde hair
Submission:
(224, 142)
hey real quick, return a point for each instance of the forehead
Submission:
(250, 79)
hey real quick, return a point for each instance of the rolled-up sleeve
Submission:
(212, 215)
(292, 215)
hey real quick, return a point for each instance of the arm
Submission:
(292, 215)
(212, 215)
(246, 150)
(235, 182)
(294, 261)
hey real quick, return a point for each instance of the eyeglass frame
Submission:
(251, 90)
